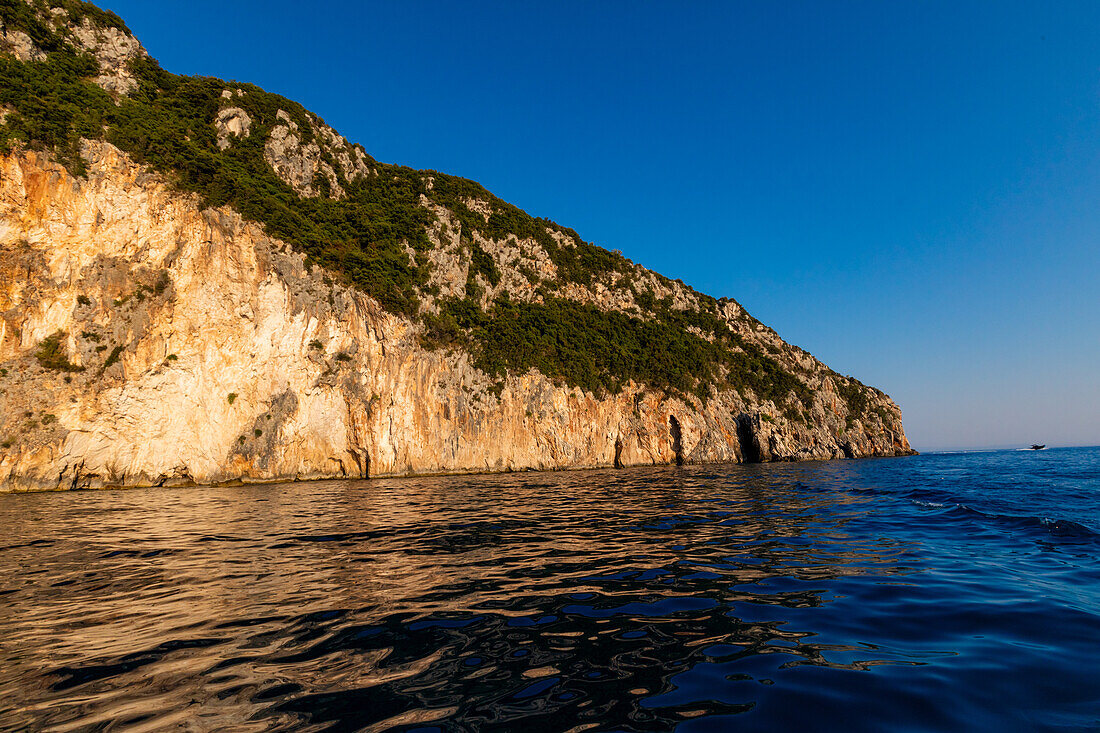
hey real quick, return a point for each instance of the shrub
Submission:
(112, 358)
(51, 354)
(231, 397)
(315, 344)
(257, 432)
(441, 330)
(172, 357)
(482, 262)
(83, 300)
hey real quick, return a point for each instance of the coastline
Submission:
(245, 481)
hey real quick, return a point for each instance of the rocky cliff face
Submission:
(148, 339)
(191, 347)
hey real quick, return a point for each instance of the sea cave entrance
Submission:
(677, 439)
(750, 448)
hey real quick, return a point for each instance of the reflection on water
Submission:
(700, 598)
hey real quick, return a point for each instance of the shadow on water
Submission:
(697, 598)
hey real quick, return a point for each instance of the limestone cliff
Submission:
(148, 337)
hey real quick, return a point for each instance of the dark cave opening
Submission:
(750, 449)
(677, 439)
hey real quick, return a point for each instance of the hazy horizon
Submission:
(907, 192)
(995, 448)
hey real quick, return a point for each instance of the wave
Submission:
(1063, 528)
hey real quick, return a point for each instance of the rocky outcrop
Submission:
(112, 47)
(232, 122)
(310, 167)
(19, 44)
(145, 340)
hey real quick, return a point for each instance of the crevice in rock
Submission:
(362, 461)
(341, 466)
(746, 436)
(618, 453)
(677, 439)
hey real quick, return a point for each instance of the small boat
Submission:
(1036, 446)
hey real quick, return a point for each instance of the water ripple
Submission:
(848, 596)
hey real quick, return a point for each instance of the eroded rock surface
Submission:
(113, 49)
(232, 122)
(310, 166)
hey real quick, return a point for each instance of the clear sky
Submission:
(907, 190)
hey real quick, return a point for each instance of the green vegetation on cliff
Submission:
(601, 350)
(51, 354)
(168, 123)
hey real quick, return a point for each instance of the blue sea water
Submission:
(940, 592)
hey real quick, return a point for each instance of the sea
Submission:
(941, 592)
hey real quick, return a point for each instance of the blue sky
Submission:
(907, 190)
